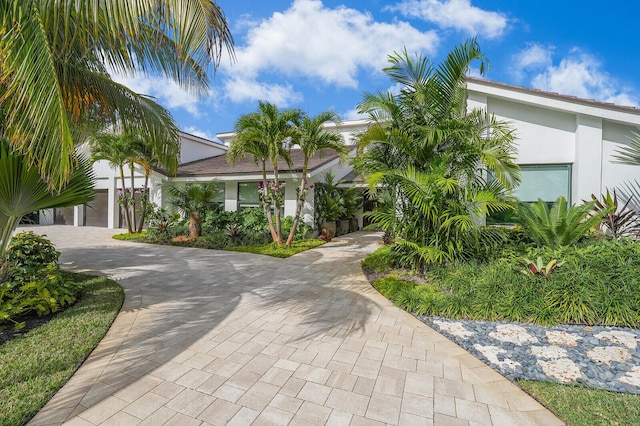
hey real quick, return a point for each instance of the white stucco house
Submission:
(565, 147)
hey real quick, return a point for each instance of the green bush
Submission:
(28, 253)
(597, 283)
(381, 260)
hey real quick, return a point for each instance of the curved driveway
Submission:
(213, 337)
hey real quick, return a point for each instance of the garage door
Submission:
(96, 213)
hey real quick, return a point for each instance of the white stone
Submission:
(619, 337)
(454, 328)
(609, 354)
(563, 369)
(492, 352)
(563, 338)
(549, 352)
(632, 378)
(513, 334)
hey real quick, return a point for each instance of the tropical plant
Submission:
(194, 200)
(539, 267)
(328, 199)
(616, 221)
(266, 135)
(23, 190)
(120, 151)
(559, 225)
(56, 56)
(314, 140)
(432, 157)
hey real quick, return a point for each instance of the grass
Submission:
(216, 243)
(35, 366)
(271, 249)
(578, 405)
(598, 283)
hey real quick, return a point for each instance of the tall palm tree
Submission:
(56, 56)
(150, 154)
(119, 150)
(266, 136)
(22, 190)
(314, 140)
(434, 156)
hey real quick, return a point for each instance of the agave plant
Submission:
(616, 222)
(560, 225)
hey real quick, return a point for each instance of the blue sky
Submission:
(324, 54)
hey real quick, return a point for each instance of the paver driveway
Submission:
(212, 337)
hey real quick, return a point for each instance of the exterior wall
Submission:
(553, 129)
(195, 148)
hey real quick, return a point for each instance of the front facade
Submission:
(565, 146)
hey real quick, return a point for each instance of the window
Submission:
(248, 195)
(548, 181)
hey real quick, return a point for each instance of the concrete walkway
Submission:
(211, 337)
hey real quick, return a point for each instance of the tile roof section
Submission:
(219, 165)
(593, 102)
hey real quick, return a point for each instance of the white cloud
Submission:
(166, 91)
(534, 57)
(192, 130)
(313, 42)
(457, 14)
(581, 75)
(353, 114)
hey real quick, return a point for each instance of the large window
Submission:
(248, 195)
(548, 182)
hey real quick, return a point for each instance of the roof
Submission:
(522, 89)
(219, 165)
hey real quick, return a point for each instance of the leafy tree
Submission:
(194, 200)
(314, 140)
(23, 190)
(266, 135)
(55, 60)
(433, 157)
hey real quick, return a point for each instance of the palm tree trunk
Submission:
(125, 202)
(195, 225)
(133, 196)
(299, 204)
(144, 201)
(266, 205)
(276, 205)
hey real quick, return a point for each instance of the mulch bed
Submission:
(8, 331)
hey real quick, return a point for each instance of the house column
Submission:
(230, 196)
(78, 215)
(586, 176)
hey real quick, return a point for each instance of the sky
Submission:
(320, 55)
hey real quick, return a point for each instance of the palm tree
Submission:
(22, 190)
(119, 150)
(56, 56)
(266, 136)
(194, 200)
(314, 140)
(150, 154)
(434, 156)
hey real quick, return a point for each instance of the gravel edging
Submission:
(600, 357)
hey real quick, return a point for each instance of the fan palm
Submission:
(266, 135)
(22, 190)
(314, 140)
(193, 201)
(433, 154)
(56, 56)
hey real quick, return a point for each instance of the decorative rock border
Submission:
(600, 357)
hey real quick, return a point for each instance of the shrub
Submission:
(561, 225)
(29, 252)
(381, 260)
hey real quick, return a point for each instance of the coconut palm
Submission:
(266, 135)
(22, 190)
(56, 56)
(194, 200)
(314, 140)
(434, 156)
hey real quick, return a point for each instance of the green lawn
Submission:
(578, 405)
(273, 250)
(35, 366)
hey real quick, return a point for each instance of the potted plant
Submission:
(351, 200)
(332, 209)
